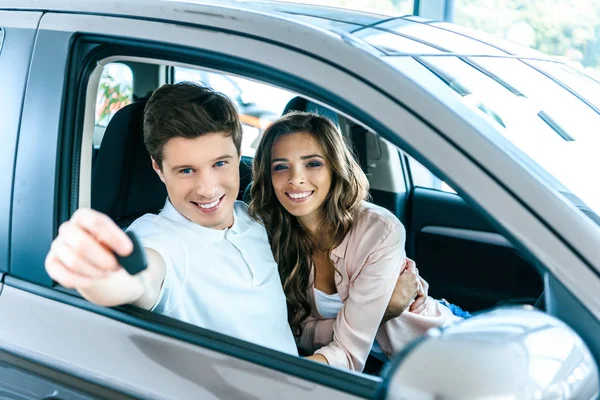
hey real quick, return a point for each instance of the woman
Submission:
(339, 257)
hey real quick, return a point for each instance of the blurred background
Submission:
(566, 29)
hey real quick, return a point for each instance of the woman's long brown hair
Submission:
(292, 245)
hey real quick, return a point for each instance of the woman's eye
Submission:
(279, 167)
(186, 171)
(313, 164)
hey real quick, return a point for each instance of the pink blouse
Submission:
(370, 259)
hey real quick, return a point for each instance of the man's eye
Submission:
(220, 163)
(279, 167)
(186, 171)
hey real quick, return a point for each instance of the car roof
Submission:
(387, 35)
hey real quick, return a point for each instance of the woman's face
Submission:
(300, 174)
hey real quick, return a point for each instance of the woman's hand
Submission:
(420, 303)
(408, 288)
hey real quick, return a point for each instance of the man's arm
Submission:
(406, 290)
(81, 257)
(141, 290)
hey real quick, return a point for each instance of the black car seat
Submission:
(124, 185)
(301, 104)
(357, 132)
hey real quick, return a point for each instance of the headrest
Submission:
(123, 181)
(301, 104)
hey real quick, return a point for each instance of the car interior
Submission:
(458, 252)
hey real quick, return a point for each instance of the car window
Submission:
(493, 40)
(552, 128)
(442, 38)
(422, 177)
(115, 91)
(258, 104)
(584, 85)
(391, 43)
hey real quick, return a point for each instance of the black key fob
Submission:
(136, 262)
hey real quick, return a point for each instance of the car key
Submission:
(136, 262)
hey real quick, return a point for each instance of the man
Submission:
(209, 263)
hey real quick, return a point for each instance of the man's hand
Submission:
(83, 250)
(406, 290)
(420, 303)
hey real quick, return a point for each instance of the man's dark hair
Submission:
(188, 110)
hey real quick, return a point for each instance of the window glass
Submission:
(1, 39)
(114, 92)
(567, 30)
(258, 104)
(552, 129)
(422, 177)
(442, 38)
(391, 43)
(493, 40)
(584, 85)
(568, 111)
(387, 7)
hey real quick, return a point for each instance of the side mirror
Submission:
(507, 353)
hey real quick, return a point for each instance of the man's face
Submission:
(202, 178)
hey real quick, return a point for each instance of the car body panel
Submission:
(16, 43)
(133, 361)
(33, 219)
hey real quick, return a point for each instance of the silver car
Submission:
(487, 152)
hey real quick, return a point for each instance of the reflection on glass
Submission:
(395, 7)
(257, 103)
(390, 43)
(114, 91)
(447, 40)
(505, 45)
(548, 123)
(574, 79)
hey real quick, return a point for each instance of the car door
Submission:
(461, 255)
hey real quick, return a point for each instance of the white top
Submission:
(329, 305)
(223, 280)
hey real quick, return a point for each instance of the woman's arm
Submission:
(357, 323)
(316, 333)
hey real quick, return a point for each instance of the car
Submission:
(485, 150)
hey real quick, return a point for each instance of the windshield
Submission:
(546, 109)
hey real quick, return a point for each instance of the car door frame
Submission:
(16, 45)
